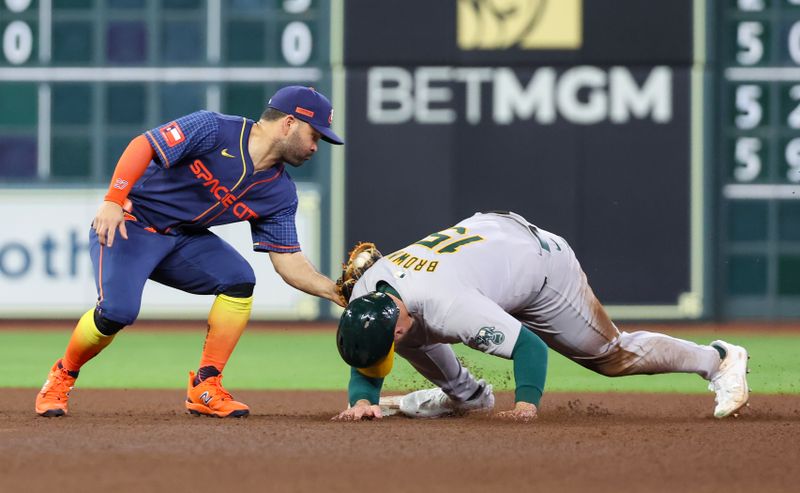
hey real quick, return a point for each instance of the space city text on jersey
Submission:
(220, 192)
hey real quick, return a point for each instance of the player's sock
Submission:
(651, 353)
(86, 342)
(204, 372)
(478, 391)
(226, 322)
(73, 374)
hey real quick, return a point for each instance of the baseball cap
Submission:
(306, 104)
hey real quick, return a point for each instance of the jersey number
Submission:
(459, 239)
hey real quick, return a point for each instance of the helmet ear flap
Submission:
(382, 368)
(366, 330)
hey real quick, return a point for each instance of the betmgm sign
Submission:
(544, 107)
(582, 95)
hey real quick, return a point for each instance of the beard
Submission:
(294, 152)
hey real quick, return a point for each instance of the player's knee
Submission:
(240, 278)
(107, 326)
(241, 290)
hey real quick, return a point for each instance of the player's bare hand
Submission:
(523, 412)
(108, 219)
(361, 410)
(336, 298)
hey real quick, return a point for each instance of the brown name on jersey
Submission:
(408, 261)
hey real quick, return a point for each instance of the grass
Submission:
(309, 360)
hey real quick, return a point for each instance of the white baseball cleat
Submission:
(434, 403)
(730, 381)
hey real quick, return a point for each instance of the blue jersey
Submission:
(203, 176)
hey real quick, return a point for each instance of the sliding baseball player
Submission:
(501, 285)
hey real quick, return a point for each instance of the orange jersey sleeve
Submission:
(130, 168)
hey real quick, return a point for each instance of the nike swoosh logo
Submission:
(225, 153)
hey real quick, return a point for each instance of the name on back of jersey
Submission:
(408, 261)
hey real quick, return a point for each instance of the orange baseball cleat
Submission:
(210, 398)
(52, 399)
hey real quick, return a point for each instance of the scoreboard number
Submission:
(297, 41)
(792, 154)
(747, 158)
(296, 6)
(17, 36)
(793, 120)
(17, 42)
(794, 42)
(751, 5)
(748, 37)
(749, 106)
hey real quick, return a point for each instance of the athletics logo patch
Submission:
(172, 133)
(486, 336)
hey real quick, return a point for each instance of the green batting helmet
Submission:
(366, 329)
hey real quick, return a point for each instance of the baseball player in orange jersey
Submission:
(170, 185)
(505, 287)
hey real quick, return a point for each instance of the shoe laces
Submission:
(216, 383)
(60, 384)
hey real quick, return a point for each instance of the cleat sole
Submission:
(242, 413)
(53, 413)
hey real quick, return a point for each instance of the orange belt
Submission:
(130, 217)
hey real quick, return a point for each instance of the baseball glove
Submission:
(360, 258)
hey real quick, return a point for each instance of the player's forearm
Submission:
(530, 367)
(297, 271)
(362, 387)
(130, 167)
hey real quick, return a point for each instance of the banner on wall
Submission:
(46, 272)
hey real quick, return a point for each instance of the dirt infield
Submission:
(124, 441)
